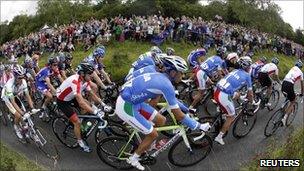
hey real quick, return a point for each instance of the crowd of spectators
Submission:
(155, 29)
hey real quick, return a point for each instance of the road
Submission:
(232, 156)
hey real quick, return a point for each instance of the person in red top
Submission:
(69, 95)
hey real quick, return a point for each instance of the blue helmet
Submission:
(275, 60)
(299, 63)
(99, 52)
(194, 55)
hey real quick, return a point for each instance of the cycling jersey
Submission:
(294, 75)
(270, 69)
(148, 86)
(143, 60)
(234, 81)
(41, 76)
(91, 60)
(144, 70)
(70, 87)
(212, 65)
(255, 68)
(4, 78)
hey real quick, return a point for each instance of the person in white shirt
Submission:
(295, 74)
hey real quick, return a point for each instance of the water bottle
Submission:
(86, 126)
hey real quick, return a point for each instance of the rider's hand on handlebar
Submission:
(107, 108)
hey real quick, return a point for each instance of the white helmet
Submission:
(155, 49)
(232, 56)
(18, 71)
(175, 63)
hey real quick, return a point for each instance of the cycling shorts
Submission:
(42, 87)
(68, 107)
(225, 102)
(139, 116)
(201, 78)
(264, 79)
(288, 88)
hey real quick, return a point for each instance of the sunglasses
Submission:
(54, 64)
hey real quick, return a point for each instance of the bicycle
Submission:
(38, 135)
(64, 129)
(196, 147)
(275, 121)
(274, 97)
(246, 117)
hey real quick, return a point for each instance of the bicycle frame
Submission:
(88, 133)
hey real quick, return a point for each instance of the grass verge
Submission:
(292, 149)
(11, 160)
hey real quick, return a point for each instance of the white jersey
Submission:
(11, 90)
(294, 75)
(270, 68)
(70, 87)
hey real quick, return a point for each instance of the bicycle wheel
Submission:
(292, 115)
(64, 131)
(274, 100)
(44, 143)
(112, 129)
(169, 121)
(243, 124)
(210, 106)
(109, 148)
(180, 155)
(274, 123)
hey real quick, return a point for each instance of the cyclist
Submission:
(35, 59)
(256, 67)
(149, 58)
(210, 70)
(131, 106)
(15, 88)
(29, 69)
(65, 65)
(227, 89)
(267, 71)
(231, 61)
(170, 51)
(69, 95)
(95, 59)
(290, 79)
(43, 82)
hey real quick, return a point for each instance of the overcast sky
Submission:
(292, 10)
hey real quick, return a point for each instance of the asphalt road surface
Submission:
(231, 156)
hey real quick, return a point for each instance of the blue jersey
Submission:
(212, 65)
(144, 70)
(143, 60)
(149, 86)
(91, 60)
(255, 69)
(43, 74)
(235, 81)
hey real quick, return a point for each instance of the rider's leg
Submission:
(48, 98)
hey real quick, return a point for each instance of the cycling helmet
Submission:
(232, 56)
(68, 56)
(263, 59)
(245, 62)
(275, 60)
(220, 51)
(85, 68)
(61, 57)
(18, 71)
(194, 55)
(2, 67)
(99, 52)
(174, 63)
(52, 60)
(28, 60)
(155, 49)
(299, 64)
(170, 51)
(157, 59)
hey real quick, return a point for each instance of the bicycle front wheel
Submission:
(64, 131)
(274, 123)
(274, 100)
(182, 156)
(292, 115)
(243, 125)
(112, 129)
(44, 143)
(108, 151)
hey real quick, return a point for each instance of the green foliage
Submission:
(11, 161)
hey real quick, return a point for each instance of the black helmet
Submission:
(52, 60)
(220, 51)
(85, 68)
(68, 56)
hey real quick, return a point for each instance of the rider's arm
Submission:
(63, 74)
(29, 99)
(106, 76)
(50, 86)
(12, 99)
(83, 104)
(98, 80)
